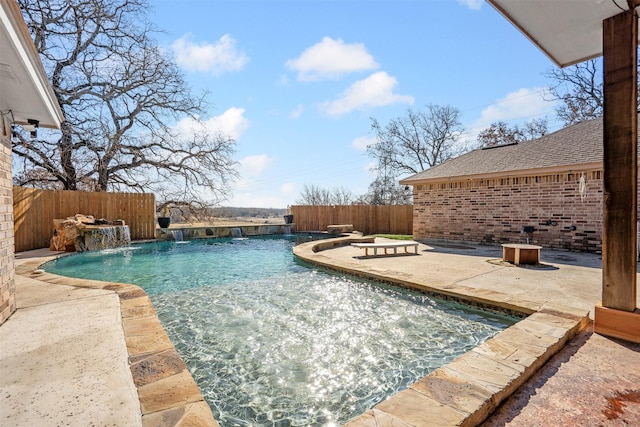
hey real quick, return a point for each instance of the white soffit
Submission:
(567, 31)
(24, 86)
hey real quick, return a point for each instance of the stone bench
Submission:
(386, 246)
(517, 253)
(339, 229)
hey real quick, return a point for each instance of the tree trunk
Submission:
(66, 157)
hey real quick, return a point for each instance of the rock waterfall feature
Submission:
(85, 233)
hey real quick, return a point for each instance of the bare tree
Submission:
(318, 196)
(417, 141)
(314, 195)
(500, 133)
(385, 190)
(119, 92)
(580, 90)
(410, 144)
(342, 196)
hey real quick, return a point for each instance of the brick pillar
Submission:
(7, 285)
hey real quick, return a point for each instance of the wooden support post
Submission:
(619, 250)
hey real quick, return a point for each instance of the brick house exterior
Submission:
(7, 285)
(553, 184)
(25, 94)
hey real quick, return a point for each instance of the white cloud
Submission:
(231, 123)
(362, 142)
(331, 59)
(288, 189)
(254, 166)
(214, 58)
(249, 190)
(259, 200)
(297, 112)
(516, 107)
(471, 4)
(251, 193)
(374, 91)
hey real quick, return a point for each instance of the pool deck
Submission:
(85, 352)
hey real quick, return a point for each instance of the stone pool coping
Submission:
(468, 389)
(168, 394)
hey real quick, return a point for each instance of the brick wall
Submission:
(496, 210)
(7, 285)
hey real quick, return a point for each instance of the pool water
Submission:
(272, 341)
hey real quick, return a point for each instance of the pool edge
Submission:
(167, 393)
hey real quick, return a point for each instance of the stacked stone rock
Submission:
(70, 233)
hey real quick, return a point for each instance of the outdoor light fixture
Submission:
(32, 127)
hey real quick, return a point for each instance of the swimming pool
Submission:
(270, 340)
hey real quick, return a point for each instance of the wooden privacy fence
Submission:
(34, 211)
(393, 219)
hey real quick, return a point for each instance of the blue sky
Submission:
(296, 82)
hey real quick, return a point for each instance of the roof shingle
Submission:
(579, 144)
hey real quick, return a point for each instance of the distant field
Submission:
(229, 216)
(213, 222)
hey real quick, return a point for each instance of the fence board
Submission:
(392, 219)
(34, 211)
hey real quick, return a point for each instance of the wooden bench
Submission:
(386, 246)
(517, 253)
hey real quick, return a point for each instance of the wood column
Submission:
(619, 250)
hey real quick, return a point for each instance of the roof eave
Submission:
(566, 32)
(507, 174)
(20, 39)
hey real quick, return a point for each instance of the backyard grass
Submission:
(395, 236)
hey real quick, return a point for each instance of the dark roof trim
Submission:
(587, 167)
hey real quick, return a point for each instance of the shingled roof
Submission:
(576, 147)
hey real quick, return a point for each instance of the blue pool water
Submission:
(272, 341)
